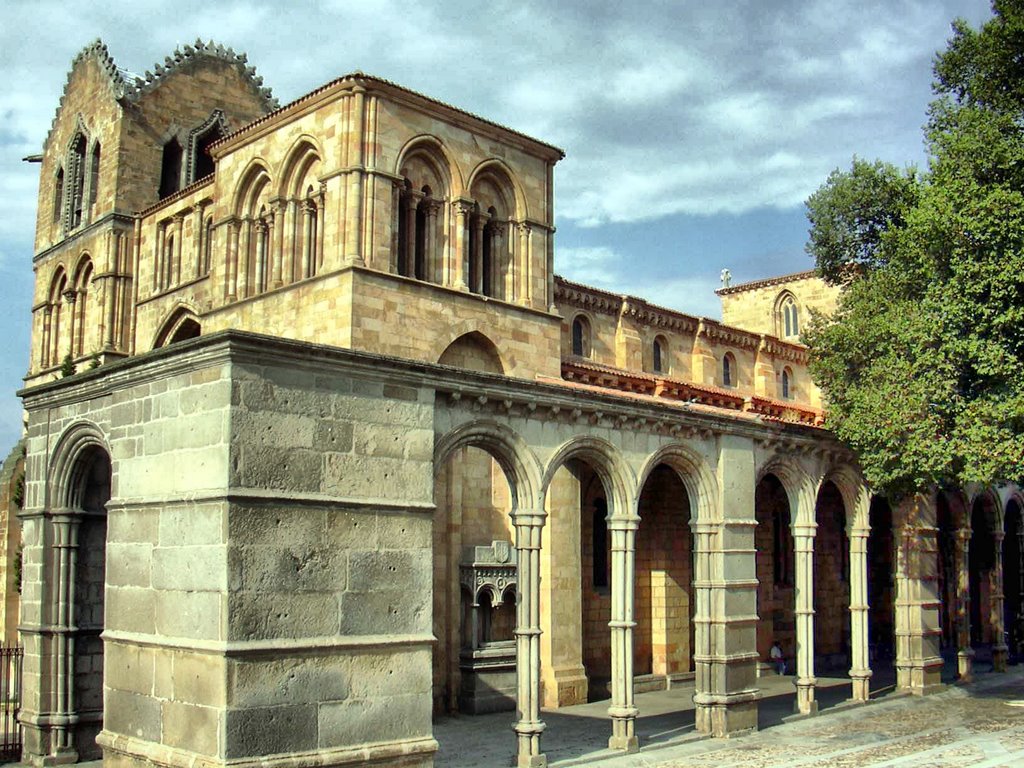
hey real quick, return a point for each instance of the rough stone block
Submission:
(263, 682)
(270, 730)
(192, 728)
(259, 616)
(368, 720)
(132, 715)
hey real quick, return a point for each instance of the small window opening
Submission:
(659, 352)
(170, 170)
(728, 371)
(58, 195)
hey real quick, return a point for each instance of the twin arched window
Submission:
(75, 191)
(789, 317)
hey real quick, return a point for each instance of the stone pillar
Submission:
(804, 533)
(158, 262)
(525, 291)
(528, 727)
(1000, 651)
(199, 239)
(623, 709)
(478, 255)
(231, 283)
(277, 272)
(354, 215)
(430, 249)
(308, 232)
(260, 277)
(244, 256)
(965, 653)
(179, 236)
(860, 669)
(458, 271)
(918, 663)
(726, 585)
(409, 203)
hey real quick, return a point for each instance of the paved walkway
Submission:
(977, 725)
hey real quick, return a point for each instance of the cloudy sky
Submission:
(693, 130)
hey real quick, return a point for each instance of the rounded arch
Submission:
(505, 446)
(993, 508)
(58, 284)
(430, 153)
(801, 490)
(182, 323)
(493, 182)
(303, 158)
(473, 351)
(693, 472)
(65, 476)
(83, 271)
(855, 494)
(255, 180)
(609, 465)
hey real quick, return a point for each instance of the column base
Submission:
(965, 665)
(1000, 656)
(530, 761)
(565, 687)
(805, 702)
(627, 744)
(722, 720)
(920, 678)
(861, 687)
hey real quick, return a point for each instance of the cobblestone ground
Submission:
(978, 725)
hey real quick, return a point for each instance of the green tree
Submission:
(67, 366)
(922, 363)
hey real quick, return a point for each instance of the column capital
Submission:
(529, 518)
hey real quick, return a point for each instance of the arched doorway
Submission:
(85, 560)
(775, 569)
(1013, 578)
(831, 583)
(474, 663)
(983, 564)
(881, 586)
(664, 636)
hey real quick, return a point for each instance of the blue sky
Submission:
(693, 131)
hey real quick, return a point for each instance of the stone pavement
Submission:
(981, 725)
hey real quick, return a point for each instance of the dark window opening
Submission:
(94, 174)
(78, 180)
(170, 169)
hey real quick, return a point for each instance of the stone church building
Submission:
(343, 453)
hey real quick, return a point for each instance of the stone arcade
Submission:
(353, 455)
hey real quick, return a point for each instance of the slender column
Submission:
(277, 271)
(260, 277)
(244, 257)
(458, 271)
(65, 529)
(179, 236)
(71, 297)
(702, 536)
(860, 670)
(478, 255)
(918, 663)
(354, 216)
(321, 227)
(198, 240)
(158, 262)
(308, 249)
(965, 653)
(525, 273)
(231, 283)
(396, 215)
(114, 263)
(623, 710)
(804, 534)
(409, 203)
(1000, 651)
(430, 255)
(528, 727)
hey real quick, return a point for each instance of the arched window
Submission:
(207, 246)
(659, 350)
(170, 169)
(94, 174)
(58, 195)
(787, 384)
(77, 163)
(600, 542)
(789, 317)
(202, 161)
(580, 336)
(729, 372)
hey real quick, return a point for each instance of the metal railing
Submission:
(11, 658)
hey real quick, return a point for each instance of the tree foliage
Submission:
(923, 363)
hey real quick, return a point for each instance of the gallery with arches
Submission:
(344, 455)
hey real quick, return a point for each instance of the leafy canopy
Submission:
(923, 363)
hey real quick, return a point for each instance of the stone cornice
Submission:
(766, 282)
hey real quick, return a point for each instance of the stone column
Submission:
(308, 232)
(71, 299)
(525, 293)
(396, 214)
(158, 262)
(1000, 651)
(231, 283)
(430, 255)
(965, 653)
(458, 271)
(277, 272)
(860, 669)
(321, 228)
(477, 271)
(66, 544)
(623, 710)
(918, 663)
(528, 727)
(199, 240)
(804, 533)
(354, 215)
(179, 228)
(260, 276)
